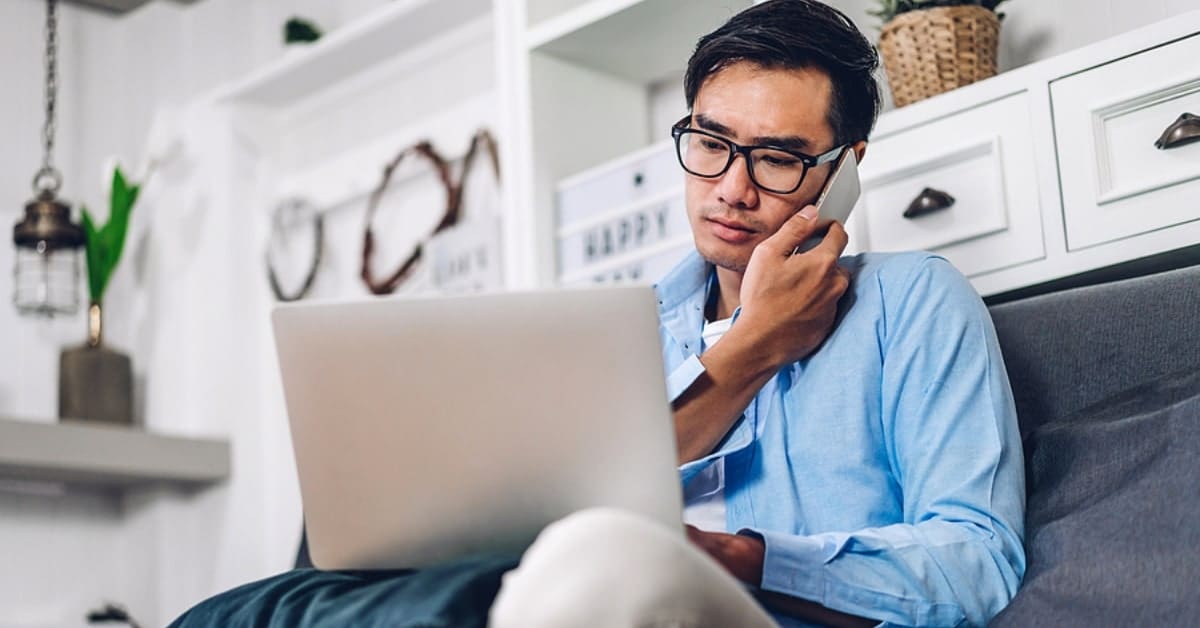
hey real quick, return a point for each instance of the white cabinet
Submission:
(981, 160)
(1053, 167)
(1115, 181)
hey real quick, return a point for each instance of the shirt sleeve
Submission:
(953, 444)
(683, 377)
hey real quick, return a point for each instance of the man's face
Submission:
(752, 105)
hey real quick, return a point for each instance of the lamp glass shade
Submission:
(46, 281)
(46, 273)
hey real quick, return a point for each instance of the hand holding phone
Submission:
(838, 196)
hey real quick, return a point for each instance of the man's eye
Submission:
(712, 145)
(779, 161)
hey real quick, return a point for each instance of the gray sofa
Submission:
(1107, 384)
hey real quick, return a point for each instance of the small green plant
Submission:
(300, 31)
(888, 9)
(104, 245)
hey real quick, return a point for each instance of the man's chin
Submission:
(724, 259)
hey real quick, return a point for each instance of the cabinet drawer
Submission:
(635, 177)
(983, 159)
(611, 236)
(1115, 181)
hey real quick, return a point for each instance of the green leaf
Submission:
(888, 9)
(123, 198)
(104, 245)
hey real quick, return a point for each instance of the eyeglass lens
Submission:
(707, 156)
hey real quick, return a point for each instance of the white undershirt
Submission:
(704, 495)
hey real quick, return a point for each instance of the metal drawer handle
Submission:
(1184, 130)
(927, 202)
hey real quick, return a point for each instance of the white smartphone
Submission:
(841, 190)
(839, 195)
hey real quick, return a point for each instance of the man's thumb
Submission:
(795, 230)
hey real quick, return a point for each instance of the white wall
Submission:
(160, 552)
(1035, 29)
(156, 552)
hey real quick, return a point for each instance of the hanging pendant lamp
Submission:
(46, 273)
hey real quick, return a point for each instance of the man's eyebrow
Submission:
(789, 142)
(708, 124)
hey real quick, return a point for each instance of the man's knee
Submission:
(605, 534)
(595, 567)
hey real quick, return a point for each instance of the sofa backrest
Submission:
(1067, 350)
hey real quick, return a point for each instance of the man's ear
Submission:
(860, 149)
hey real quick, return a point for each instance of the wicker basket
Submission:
(930, 51)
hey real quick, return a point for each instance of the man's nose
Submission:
(736, 188)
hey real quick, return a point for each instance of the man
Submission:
(872, 472)
(847, 439)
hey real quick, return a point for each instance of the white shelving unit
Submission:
(583, 94)
(102, 457)
(325, 118)
(394, 30)
(567, 86)
(583, 99)
(613, 37)
(367, 85)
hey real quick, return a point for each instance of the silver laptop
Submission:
(431, 428)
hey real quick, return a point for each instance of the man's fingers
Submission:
(800, 227)
(835, 240)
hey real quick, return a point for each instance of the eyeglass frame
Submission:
(810, 161)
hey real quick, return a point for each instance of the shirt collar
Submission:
(686, 282)
(681, 301)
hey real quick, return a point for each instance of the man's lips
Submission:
(731, 231)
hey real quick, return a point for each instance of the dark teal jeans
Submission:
(455, 594)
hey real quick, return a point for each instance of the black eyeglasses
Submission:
(774, 169)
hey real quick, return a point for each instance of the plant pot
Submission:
(930, 51)
(95, 383)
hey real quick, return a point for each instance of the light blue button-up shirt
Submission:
(884, 472)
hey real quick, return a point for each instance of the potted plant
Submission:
(934, 46)
(96, 382)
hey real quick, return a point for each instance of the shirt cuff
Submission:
(799, 566)
(683, 377)
(793, 564)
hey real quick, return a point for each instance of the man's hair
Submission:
(795, 34)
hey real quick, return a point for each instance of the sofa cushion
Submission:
(1068, 350)
(1113, 517)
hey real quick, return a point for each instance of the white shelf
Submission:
(380, 36)
(107, 457)
(575, 19)
(611, 35)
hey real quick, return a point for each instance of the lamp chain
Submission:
(48, 179)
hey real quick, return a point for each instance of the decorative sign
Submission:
(625, 234)
(467, 257)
